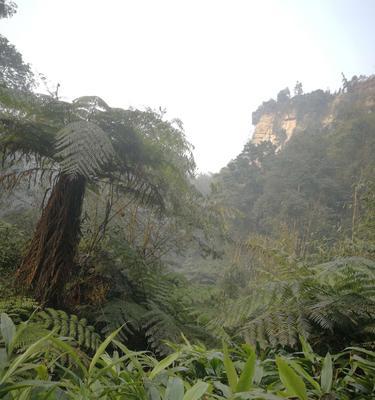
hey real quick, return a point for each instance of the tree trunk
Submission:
(49, 262)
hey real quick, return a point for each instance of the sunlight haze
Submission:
(209, 63)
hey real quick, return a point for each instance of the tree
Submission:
(298, 90)
(78, 145)
(14, 72)
(283, 96)
(345, 83)
(7, 8)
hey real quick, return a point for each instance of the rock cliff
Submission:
(278, 121)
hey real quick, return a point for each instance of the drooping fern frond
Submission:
(119, 312)
(87, 106)
(31, 176)
(139, 186)
(26, 139)
(28, 123)
(22, 309)
(330, 269)
(28, 334)
(327, 302)
(149, 322)
(83, 148)
(344, 300)
(160, 326)
(268, 316)
(18, 308)
(154, 310)
(158, 289)
(69, 325)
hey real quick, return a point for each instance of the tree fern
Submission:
(336, 298)
(152, 312)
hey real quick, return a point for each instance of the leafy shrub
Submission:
(333, 304)
(190, 373)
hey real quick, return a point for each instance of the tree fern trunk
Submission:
(49, 262)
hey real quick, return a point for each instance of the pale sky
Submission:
(208, 62)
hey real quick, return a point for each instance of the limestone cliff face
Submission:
(268, 126)
(278, 121)
(264, 129)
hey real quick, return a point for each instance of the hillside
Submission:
(308, 170)
(277, 121)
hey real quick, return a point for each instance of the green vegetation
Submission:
(123, 275)
(52, 367)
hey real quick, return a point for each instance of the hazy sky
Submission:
(208, 62)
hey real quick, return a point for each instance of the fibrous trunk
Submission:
(49, 262)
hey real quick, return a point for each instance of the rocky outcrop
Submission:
(276, 129)
(264, 129)
(278, 121)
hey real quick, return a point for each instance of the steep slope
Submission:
(308, 172)
(278, 121)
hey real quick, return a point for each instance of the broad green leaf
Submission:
(25, 394)
(8, 329)
(102, 348)
(256, 394)
(306, 348)
(197, 391)
(223, 388)
(361, 350)
(24, 384)
(363, 362)
(34, 348)
(131, 355)
(175, 389)
(305, 374)
(292, 382)
(230, 369)
(66, 348)
(163, 364)
(327, 373)
(259, 373)
(247, 375)
(3, 359)
(42, 372)
(152, 392)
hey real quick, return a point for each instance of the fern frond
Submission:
(337, 297)
(11, 179)
(117, 313)
(87, 106)
(29, 333)
(83, 149)
(70, 326)
(18, 308)
(160, 326)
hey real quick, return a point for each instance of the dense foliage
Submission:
(51, 367)
(122, 275)
(314, 188)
